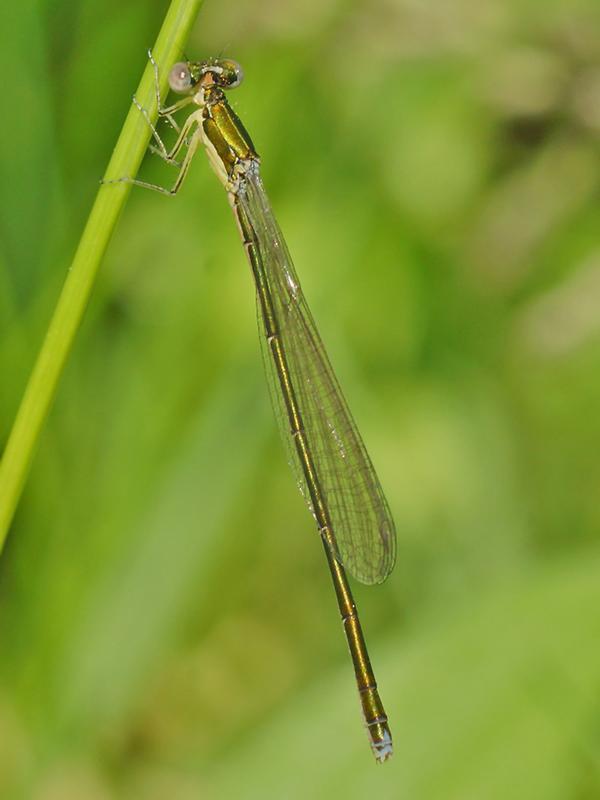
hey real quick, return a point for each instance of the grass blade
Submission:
(125, 160)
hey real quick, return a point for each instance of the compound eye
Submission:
(180, 78)
(226, 73)
(232, 73)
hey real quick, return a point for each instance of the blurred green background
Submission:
(435, 169)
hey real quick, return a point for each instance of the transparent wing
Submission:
(359, 513)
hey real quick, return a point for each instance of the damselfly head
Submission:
(185, 76)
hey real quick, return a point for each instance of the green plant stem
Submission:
(125, 160)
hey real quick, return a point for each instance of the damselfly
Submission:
(332, 466)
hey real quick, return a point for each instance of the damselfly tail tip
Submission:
(381, 744)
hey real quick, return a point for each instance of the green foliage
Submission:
(167, 628)
(63, 327)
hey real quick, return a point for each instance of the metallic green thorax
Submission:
(229, 145)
